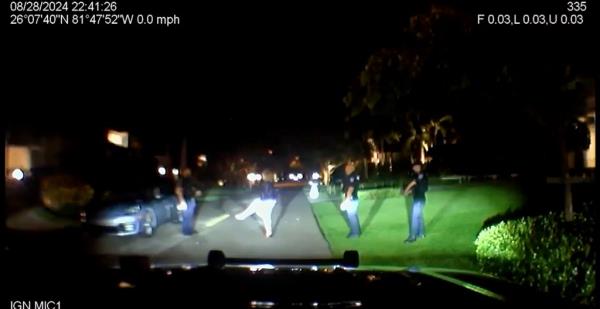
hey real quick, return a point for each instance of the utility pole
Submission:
(183, 158)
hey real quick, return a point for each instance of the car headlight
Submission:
(252, 177)
(133, 209)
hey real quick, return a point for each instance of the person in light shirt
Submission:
(263, 205)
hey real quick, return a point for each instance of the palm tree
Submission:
(420, 138)
(437, 131)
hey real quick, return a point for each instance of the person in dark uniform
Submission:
(350, 202)
(186, 191)
(418, 186)
(264, 204)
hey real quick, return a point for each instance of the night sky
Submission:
(193, 81)
(234, 68)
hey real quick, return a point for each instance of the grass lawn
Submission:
(453, 217)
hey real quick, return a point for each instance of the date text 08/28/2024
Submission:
(81, 13)
(63, 6)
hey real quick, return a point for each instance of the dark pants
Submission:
(187, 226)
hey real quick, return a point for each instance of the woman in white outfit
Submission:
(263, 205)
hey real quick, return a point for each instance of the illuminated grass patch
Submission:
(453, 218)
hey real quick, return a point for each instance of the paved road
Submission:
(296, 234)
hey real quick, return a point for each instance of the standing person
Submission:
(186, 193)
(418, 186)
(263, 205)
(350, 203)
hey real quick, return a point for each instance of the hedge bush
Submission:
(65, 194)
(544, 252)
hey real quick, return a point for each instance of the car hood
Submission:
(378, 284)
(278, 286)
(476, 282)
(113, 210)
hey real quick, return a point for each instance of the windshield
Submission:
(441, 134)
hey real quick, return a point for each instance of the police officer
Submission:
(186, 191)
(350, 202)
(418, 186)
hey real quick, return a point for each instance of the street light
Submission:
(17, 174)
(175, 171)
(162, 171)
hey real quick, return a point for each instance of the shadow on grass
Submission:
(372, 213)
(444, 209)
(408, 206)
